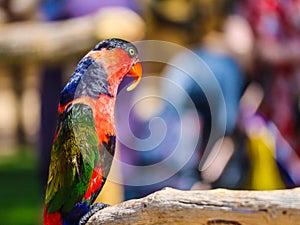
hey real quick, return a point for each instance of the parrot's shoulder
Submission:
(89, 79)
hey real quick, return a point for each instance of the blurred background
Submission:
(251, 46)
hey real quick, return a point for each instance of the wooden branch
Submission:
(55, 40)
(219, 207)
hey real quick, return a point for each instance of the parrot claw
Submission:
(94, 208)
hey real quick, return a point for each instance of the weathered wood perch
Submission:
(219, 207)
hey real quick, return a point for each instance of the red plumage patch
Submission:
(95, 182)
(52, 219)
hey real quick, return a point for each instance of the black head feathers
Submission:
(112, 43)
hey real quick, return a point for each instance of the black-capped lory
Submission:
(84, 144)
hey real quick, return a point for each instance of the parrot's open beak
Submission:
(136, 72)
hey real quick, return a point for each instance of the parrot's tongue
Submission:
(136, 72)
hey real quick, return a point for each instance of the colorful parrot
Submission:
(84, 144)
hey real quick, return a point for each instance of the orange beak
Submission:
(136, 72)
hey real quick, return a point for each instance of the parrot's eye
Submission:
(131, 52)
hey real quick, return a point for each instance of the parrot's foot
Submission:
(94, 208)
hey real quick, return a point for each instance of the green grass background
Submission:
(20, 191)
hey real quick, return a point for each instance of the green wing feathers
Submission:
(74, 155)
